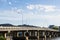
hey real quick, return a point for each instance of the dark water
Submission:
(56, 38)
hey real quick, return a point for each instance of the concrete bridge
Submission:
(12, 33)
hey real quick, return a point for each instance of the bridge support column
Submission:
(27, 35)
(38, 35)
(23, 33)
(44, 35)
(17, 34)
(8, 36)
(49, 36)
(26, 38)
(55, 34)
(52, 34)
(5, 35)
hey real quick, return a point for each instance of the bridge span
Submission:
(12, 33)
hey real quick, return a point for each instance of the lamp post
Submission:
(20, 12)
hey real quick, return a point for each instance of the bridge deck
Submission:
(24, 28)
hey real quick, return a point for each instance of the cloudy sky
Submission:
(32, 12)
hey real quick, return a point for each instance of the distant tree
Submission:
(7, 24)
(24, 25)
(59, 28)
(53, 27)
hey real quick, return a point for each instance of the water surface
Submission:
(56, 38)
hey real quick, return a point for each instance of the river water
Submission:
(56, 38)
(41, 39)
(51, 38)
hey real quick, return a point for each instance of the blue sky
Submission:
(35, 12)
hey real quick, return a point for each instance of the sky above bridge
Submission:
(32, 12)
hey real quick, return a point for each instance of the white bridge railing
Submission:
(5, 28)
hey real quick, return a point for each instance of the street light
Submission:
(19, 11)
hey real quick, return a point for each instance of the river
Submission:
(40, 39)
(56, 38)
(51, 38)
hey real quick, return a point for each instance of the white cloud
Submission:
(30, 18)
(36, 19)
(50, 8)
(30, 7)
(43, 20)
(11, 14)
(46, 8)
(10, 3)
(17, 10)
(36, 16)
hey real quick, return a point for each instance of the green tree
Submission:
(55, 27)
(2, 38)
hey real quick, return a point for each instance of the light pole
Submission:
(20, 12)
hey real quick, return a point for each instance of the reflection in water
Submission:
(47, 39)
(53, 38)
(56, 38)
(40, 39)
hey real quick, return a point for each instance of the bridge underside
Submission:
(31, 34)
(27, 33)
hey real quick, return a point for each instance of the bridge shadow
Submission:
(19, 38)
